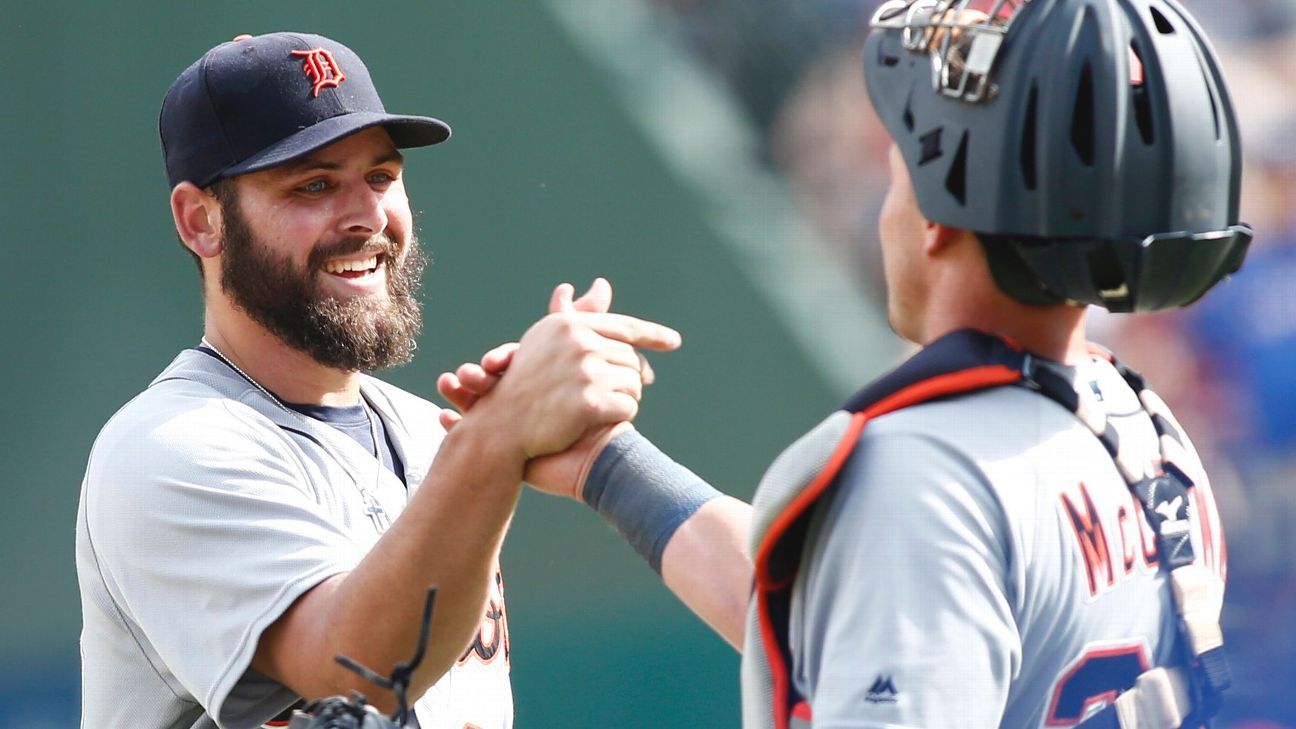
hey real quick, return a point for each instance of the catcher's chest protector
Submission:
(957, 363)
(961, 362)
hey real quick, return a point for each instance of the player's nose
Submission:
(364, 211)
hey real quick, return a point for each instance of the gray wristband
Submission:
(644, 494)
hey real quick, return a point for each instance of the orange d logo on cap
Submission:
(320, 68)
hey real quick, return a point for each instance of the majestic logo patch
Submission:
(883, 691)
(320, 68)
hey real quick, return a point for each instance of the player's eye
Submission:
(314, 187)
(382, 178)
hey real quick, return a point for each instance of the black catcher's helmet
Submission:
(1090, 144)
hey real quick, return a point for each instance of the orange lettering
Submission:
(1092, 541)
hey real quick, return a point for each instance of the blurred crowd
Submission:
(1227, 365)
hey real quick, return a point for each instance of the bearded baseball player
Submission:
(1010, 529)
(264, 505)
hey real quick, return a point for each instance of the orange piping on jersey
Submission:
(940, 386)
(765, 583)
(778, 672)
(802, 711)
(951, 384)
(840, 453)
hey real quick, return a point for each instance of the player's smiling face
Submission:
(330, 211)
(321, 252)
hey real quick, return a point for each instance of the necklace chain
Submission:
(373, 509)
(230, 363)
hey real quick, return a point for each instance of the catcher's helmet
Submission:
(1090, 144)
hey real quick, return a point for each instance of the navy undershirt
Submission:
(352, 420)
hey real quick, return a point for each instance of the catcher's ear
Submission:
(937, 237)
(197, 215)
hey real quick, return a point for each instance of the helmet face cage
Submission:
(962, 39)
(1062, 126)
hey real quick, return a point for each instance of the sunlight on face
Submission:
(321, 254)
(900, 228)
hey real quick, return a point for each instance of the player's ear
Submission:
(197, 216)
(937, 238)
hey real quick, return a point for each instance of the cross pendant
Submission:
(376, 514)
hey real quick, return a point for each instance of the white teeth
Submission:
(341, 266)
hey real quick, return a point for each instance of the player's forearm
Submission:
(693, 535)
(449, 536)
(708, 567)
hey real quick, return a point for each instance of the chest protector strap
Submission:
(961, 362)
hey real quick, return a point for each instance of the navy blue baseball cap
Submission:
(262, 101)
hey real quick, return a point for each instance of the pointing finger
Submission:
(633, 331)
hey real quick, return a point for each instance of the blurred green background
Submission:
(546, 180)
(707, 157)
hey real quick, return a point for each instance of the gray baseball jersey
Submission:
(206, 510)
(982, 563)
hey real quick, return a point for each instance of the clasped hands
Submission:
(564, 390)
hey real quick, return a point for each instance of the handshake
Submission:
(558, 395)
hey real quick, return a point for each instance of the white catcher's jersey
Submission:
(206, 510)
(982, 563)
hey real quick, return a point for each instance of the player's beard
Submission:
(361, 333)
